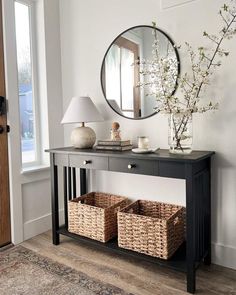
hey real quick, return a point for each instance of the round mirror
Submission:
(139, 66)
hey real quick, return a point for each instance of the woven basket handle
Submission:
(116, 210)
(177, 217)
(83, 199)
(131, 210)
(81, 202)
(177, 220)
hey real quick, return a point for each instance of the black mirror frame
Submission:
(103, 62)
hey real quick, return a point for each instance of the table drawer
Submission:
(61, 160)
(131, 166)
(171, 169)
(89, 162)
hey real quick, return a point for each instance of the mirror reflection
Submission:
(132, 75)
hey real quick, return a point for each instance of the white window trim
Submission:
(36, 104)
(50, 81)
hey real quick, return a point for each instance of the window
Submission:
(27, 82)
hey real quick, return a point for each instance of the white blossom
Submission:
(161, 73)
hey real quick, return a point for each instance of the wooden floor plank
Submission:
(137, 277)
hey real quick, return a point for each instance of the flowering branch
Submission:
(204, 71)
(161, 73)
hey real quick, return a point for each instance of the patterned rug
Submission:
(23, 271)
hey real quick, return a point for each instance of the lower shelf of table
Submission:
(177, 262)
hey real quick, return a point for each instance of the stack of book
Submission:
(114, 145)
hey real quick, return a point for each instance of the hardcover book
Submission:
(114, 142)
(114, 148)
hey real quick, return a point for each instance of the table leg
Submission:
(69, 184)
(191, 279)
(207, 259)
(65, 196)
(190, 230)
(54, 199)
(83, 184)
(74, 181)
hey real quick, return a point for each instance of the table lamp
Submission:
(82, 110)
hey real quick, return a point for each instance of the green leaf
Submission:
(225, 7)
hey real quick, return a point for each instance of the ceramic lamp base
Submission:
(83, 137)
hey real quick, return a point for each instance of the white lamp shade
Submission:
(81, 109)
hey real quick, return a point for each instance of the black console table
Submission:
(194, 168)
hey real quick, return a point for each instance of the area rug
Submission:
(23, 271)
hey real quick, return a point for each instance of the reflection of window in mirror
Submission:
(120, 77)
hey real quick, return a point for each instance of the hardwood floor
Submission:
(139, 278)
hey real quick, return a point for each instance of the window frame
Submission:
(35, 87)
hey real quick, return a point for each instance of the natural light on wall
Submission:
(26, 84)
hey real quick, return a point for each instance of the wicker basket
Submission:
(94, 215)
(152, 228)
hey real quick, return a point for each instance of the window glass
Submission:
(25, 82)
(127, 79)
(113, 75)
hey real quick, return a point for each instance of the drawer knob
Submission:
(131, 166)
(86, 162)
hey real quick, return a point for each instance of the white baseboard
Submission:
(224, 255)
(39, 225)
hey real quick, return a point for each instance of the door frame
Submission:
(5, 237)
(14, 148)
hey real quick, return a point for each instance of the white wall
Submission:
(87, 29)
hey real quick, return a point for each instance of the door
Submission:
(5, 227)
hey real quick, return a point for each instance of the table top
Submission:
(161, 154)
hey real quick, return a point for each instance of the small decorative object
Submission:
(115, 132)
(94, 215)
(203, 63)
(165, 224)
(143, 142)
(143, 146)
(82, 109)
(144, 151)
